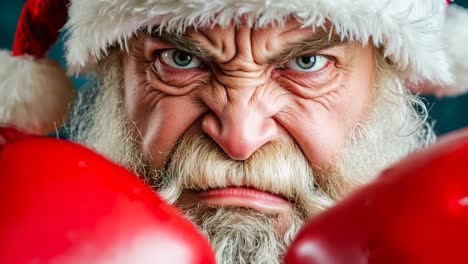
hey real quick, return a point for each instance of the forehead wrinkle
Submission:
(312, 44)
(184, 43)
(219, 41)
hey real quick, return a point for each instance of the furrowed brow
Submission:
(312, 45)
(183, 43)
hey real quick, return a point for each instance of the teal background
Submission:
(447, 113)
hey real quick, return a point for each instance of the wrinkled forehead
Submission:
(281, 39)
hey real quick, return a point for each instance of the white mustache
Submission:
(279, 167)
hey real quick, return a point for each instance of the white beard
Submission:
(244, 236)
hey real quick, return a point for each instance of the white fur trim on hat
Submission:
(455, 34)
(408, 30)
(34, 94)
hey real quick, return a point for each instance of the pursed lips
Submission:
(239, 196)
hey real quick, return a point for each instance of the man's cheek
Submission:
(317, 128)
(156, 119)
(165, 124)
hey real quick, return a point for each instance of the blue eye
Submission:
(308, 63)
(180, 59)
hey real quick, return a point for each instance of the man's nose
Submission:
(242, 129)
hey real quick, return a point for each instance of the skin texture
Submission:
(244, 96)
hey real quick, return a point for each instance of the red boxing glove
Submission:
(414, 212)
(62, 203)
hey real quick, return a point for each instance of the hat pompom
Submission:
(34, 93)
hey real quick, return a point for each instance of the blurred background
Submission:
(447, 113)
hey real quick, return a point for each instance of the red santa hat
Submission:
(422, 38)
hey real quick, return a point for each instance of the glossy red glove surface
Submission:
(62, 203)
(415, 212)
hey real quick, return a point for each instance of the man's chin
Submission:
(243, 234)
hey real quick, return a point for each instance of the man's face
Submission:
(244, 126)
(246, 88)
(250, 131)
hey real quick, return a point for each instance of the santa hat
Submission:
(423, 40)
